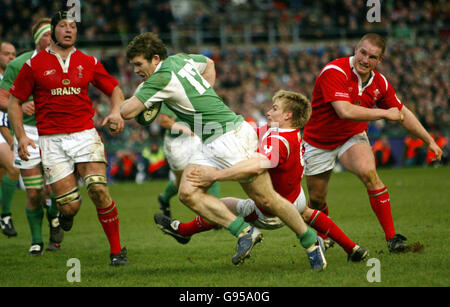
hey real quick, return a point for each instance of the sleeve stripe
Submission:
(385, 81)
(333, 67)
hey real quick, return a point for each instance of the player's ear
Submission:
(156, 59)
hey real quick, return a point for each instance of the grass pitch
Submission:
(420, 199)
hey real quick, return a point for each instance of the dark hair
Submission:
(146, 44)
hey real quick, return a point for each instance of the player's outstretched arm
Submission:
(346, 110)
(413, 126)
(131, 108)
(240, 171)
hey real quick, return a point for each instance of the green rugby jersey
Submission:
(11, 73)
(178, 83)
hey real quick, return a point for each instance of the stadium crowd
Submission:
(416, 61)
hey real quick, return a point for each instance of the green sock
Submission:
(8, 188)
(237, 226)
(215, 189)
(52, 209)
(308, 238)
(169, 191)
(34, 218)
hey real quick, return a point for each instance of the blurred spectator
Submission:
(124, 166)
(306, 35)
(382, 152)
(155, 161)
(415, 151)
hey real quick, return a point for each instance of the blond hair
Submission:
(297, 103)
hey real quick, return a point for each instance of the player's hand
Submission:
(114, 123)
(201, 178)
(28, 108)
(23, 147)
(436, 150)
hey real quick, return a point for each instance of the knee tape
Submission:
(69, 197)
(90, 180)
(33, 182)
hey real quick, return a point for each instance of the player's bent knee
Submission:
(69, 202)
(96, 186)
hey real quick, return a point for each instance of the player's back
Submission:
(178, 82)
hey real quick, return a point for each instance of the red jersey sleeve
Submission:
(390, 99)
(23, 86)
(102, 79)
(332, 83)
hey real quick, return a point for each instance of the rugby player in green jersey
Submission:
(183, 83)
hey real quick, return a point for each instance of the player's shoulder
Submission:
(85, 58)
(18, 61)
(339, 67)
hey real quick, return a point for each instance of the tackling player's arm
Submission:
(349, 111)
(413, 126)
(240, 171)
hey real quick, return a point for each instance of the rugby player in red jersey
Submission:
(58, 78)
(347, 93)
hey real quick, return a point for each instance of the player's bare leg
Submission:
(205, 205)
(318, 189)
(34, 185)
(262, 192)
(213, 210)
(359, 160)
(94, 175)
(9, 177)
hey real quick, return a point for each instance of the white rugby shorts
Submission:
(246, 207)
(179, 150)
(228, 149)
(35, 156)
(318, 160)
(60, 152)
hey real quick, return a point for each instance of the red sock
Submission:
(109, 219)
(195, 226)
(324, 224)
(381, 205)
(324, 209)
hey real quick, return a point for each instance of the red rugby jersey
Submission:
(60, 90)
(283, 148)
(338, 80)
